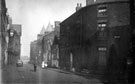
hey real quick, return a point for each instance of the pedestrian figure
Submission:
(35, 67)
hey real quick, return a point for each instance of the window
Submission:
(101, 26)
(102, 23)
(102, 49)
(102, 11)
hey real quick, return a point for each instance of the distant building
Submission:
(55, 46)
(46, 47)
(36, 48)
(14, 48)
(47, 43)
(24, 58)
(33, 51)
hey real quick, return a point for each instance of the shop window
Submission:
(102, 11)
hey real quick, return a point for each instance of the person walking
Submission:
(35, 67)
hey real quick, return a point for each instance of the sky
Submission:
(33, 14)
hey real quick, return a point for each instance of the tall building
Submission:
(55, 46)
(14, 48)
(33, 51)
(40, 49)
(3, 33)
(47, 43)
(36, 48)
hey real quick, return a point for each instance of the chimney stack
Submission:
(79, 6)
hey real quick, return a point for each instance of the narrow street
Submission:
(26, 75)
(77, 41)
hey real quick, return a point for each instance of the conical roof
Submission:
(49, 28)
(42, 31)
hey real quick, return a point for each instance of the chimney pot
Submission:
(80, 4)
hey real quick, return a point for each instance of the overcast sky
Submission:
(33, 14)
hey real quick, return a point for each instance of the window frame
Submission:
(101, 27)
(102, 10)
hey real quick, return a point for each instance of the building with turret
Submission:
(47, 43)
(55, 46)
(36, 48)
(45, 48)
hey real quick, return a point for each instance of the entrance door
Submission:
(102, 58)
(71, 61)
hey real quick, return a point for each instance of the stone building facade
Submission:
(33, 51)
(36, 49)
(45, 48)
(47, 43)
(3, 33)
(14, 48)
(55, 46)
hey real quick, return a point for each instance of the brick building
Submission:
(96, 38)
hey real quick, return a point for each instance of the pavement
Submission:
(25, 75)
(84, 74)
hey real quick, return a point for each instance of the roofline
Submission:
(111, 2)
